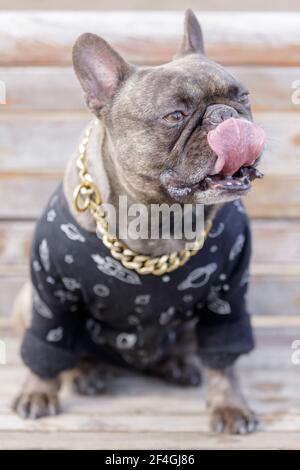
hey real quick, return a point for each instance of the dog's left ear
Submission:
(192, 39)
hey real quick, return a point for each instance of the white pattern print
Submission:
(101, 290)
(166, 316)
(51, 214)
(72, 232)
(44, 254)
(199, 277)
(36, 265)
(69, 259)
(217, 305)
(53, 200)
(40, 306)
(245, 278)
(237, 246)
(217, 232)
(70, 283)
(55, 335)
(113, 268)
(213, 248)
(64, 296)
(142, 299)
(239, 206)
(126, 340)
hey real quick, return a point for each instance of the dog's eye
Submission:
(174, 117)
(244, 98)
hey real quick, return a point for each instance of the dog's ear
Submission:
(192, 38)
(99, 68)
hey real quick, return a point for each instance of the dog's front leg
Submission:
(38, 398)
(229, 410)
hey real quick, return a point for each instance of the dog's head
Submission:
(181, 131)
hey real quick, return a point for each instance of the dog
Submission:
(179, 133)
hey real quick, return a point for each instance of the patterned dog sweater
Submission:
(87, 304)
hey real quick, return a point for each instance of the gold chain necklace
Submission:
(87, 197)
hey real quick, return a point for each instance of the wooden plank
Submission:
(39, 142)
(23, 147)
(15, 240)
(135, 423)
(42, 38)
(9, 288)
(268, 294)
(204, 5)
(149, 440)
(275, 196)
(272, 352)
(274, 295)
(57, 88)
(280, 321)
(275, 243)
(42, 88)
(270, 87)
(26, 195)
(23, 137)
(141, 412)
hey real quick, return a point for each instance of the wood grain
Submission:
(269, 295)
(275, 243)
(141, 412)
(148, 440)
(44, 141)
(57, 88)
(25, 196)
(46, 38)
(248, 5)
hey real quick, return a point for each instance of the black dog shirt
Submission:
(85, 303)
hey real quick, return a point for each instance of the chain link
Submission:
(87, 196)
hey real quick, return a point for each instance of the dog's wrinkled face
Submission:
(177, 132)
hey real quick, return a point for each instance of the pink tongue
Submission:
(237, 143)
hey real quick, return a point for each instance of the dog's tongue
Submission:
(237, 143)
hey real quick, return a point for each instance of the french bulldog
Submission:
(179, 132)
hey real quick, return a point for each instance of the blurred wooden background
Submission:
(39, 129)
(44, 114)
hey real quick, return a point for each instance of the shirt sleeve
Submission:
(49, 345)
(224, 329)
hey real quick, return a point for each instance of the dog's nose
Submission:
(217, 113)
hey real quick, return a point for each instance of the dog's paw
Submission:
(36, 405)
(181, 372)
(89, 382)
(230, 420)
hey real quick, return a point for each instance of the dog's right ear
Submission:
(99, 68)
(192, 38)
